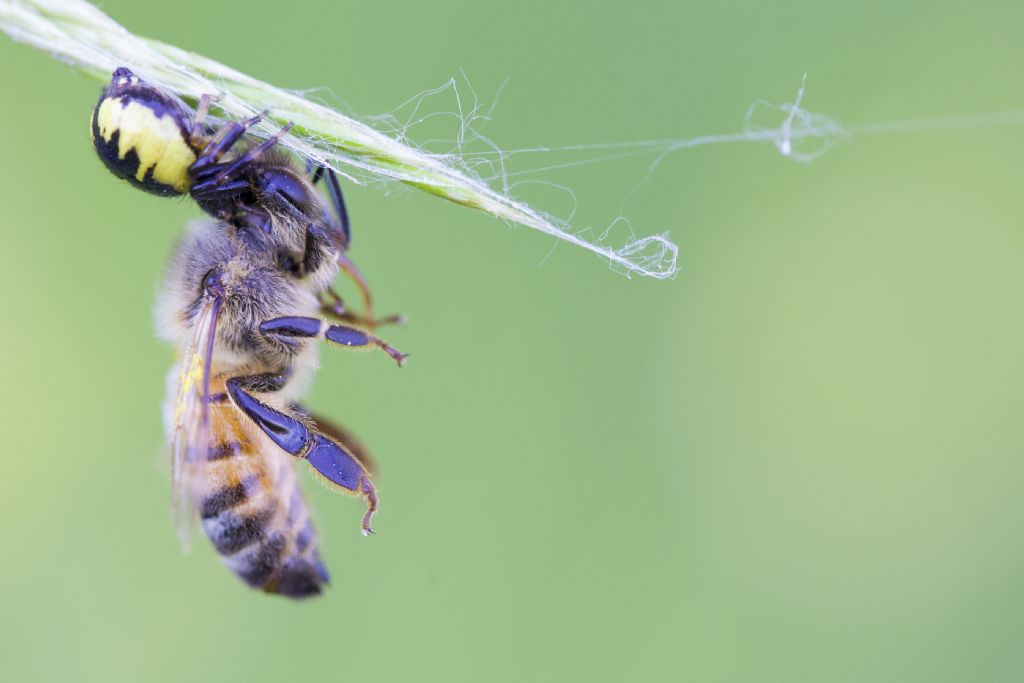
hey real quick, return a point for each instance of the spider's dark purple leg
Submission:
(221, 142)
(230, 171)
(335, 464)
(288, 328)
(212, 192)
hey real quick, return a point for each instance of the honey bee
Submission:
(242, 298)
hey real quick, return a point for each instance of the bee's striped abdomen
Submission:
(255, 515)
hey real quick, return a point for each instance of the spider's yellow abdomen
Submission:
(142, 135)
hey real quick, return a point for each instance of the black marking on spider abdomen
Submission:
(127, 167)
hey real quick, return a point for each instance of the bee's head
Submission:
(143, 135)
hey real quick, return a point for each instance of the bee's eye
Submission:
(285, 186)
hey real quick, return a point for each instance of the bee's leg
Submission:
(319, 246)
(220, 143)
(288, 328)
(336, 465)
(335, 307)
(350, 269)
(318, 241)
(342, 436)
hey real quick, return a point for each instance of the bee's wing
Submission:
(190, 438)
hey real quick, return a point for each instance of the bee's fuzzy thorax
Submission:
(255, 290)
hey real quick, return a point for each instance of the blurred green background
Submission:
(797, 461)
